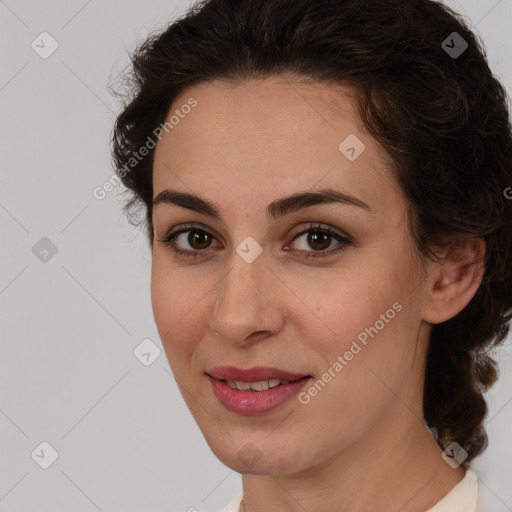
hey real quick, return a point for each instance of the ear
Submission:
(455, 280)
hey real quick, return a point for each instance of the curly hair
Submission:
(442, 118)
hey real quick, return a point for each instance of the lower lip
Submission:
(252, 403)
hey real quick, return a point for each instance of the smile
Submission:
(255, 391)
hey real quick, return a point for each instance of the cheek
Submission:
(342, 303)
(365, 345)
(177, 303)
(360, 316)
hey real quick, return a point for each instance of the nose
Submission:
(247, 308)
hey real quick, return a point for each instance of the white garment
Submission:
(462, 498)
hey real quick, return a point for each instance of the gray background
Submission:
(69, 326)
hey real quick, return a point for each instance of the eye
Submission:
(199, 239)
(319, 239)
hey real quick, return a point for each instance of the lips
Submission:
(270, 388)
(255, 374)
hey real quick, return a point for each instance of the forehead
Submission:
(271, 135)
(263, 111)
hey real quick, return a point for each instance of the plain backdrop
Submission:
(74, 282)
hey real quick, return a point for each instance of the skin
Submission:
(361, 443)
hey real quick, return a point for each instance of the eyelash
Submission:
(344, 241)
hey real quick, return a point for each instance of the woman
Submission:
(324, 189)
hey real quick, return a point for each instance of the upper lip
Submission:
(254, 374)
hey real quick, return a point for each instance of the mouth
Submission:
(256, 374)
(254, 391)
(255, 387)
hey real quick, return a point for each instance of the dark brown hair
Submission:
(442, 118)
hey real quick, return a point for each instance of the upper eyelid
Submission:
(189, 227)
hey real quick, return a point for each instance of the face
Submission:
(327, 288)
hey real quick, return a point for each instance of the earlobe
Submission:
(454, 283)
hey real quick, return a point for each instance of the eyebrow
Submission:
(277, 208)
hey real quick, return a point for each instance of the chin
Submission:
(259, 457)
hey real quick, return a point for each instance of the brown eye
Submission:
(319, 240)
(199, 239)
(196, 238)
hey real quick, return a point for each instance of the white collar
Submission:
(462, 498)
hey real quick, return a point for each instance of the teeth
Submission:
(260, 385)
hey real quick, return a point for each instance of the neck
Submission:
(394, 466)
